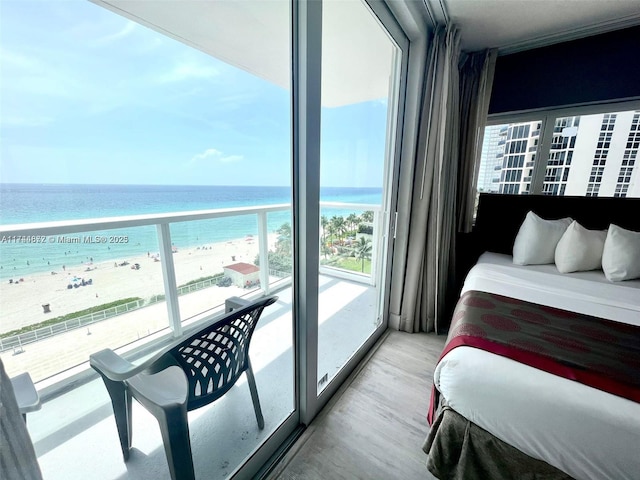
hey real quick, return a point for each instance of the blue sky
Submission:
(87, 96)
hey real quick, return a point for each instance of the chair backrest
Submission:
(215, 357)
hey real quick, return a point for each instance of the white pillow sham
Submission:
(580, 249)
(621, 256)
(537, 239)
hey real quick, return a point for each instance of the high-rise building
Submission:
(604, 157)
(491, 160)
(521, 144)
(590, 155)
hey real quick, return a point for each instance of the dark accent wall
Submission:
(594, 69)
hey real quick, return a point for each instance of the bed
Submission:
(496, 417)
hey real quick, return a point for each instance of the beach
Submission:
(24, 299)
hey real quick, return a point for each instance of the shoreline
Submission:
(57, 253)
(23, 302)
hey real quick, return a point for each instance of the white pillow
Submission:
(537, 238)
(621, 256)
(580, 249)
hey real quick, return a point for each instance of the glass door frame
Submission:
(307, 75)
(306, 28)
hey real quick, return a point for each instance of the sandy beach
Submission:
(21, 302)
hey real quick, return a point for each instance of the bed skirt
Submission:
(460, 450)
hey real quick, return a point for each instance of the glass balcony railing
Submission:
(129, 281)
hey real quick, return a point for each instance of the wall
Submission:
(593, 69)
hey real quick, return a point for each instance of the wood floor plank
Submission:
(375, 429)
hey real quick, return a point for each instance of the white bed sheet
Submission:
(594, 436)
(589, 293)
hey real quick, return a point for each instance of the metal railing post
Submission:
(169, 278)
(263, 251)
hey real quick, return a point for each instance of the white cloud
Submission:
(187, 71)
(213, 155)
(124, 32)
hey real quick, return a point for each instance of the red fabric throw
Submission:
(599, 353)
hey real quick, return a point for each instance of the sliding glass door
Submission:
(358, 95)
(228, 148)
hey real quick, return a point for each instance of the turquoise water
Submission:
(29, 203)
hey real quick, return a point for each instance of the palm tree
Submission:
(331, 231)
(352, 220)
(338, 225)
(362, 251)
(367, 216)
(283, 243)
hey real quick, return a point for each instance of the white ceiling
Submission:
(253, 35)
(514, 25)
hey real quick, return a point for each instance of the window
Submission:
(196, 145)
(591, 154)
(354, 152)
(102, 117)
(606, 142)
(506, 151)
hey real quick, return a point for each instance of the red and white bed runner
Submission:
(599, 353)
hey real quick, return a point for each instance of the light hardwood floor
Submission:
(375, 425)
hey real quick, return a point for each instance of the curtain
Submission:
(453, 109)
(417, 297)
(476, 79)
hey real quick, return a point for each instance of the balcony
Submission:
(76, 415)
(81, 420)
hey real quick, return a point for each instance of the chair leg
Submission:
(121, 401)
(174, 427)
(254, 395)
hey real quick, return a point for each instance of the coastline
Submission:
(111, 280)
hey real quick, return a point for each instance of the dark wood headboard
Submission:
(500, 216)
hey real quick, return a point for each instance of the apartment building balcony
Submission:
(74, 433)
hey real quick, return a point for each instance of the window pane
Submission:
(168, 124)
(594, 155)
(508, 157)
(356, 135)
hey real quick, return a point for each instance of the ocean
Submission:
(29, 203)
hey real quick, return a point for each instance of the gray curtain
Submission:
(423, 280)
(416, 294)
(476, 79)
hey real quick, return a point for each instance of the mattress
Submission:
(594, 434)
(589, 293)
